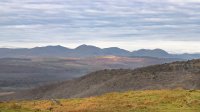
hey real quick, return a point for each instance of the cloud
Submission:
(69, 21)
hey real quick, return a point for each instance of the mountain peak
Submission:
(89, 47)
(160, 50)
(51, 46)
(116, 51)
(114, 48)
(49, 51)
(151, 53)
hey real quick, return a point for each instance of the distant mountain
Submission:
(184, 75)
(48, 51)
(151, 53)
(186, 56)
(88, 51)
(116, 51)
(159, 53)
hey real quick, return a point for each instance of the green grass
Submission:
(132, 101)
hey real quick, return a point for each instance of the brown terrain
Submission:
(184, 75)
(19, 74)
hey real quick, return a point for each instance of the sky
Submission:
(172, 25)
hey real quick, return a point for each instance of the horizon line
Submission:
(42, 46)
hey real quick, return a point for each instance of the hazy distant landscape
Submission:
(23, 73)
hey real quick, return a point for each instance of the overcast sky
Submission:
(173, 25)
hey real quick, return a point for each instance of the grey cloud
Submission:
(62, 20)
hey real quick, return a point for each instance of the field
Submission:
(133, 101)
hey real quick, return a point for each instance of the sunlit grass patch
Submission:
(131, 101)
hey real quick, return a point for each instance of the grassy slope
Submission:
(133, 101)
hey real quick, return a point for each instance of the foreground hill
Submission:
(132, 101)
(166, 76)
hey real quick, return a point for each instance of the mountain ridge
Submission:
(88, 51)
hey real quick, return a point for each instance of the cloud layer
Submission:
(31, 23)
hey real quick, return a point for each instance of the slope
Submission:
(184, 75)
(16, 73)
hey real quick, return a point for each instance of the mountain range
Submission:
(88, 51)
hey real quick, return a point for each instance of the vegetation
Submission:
(133, 101)
(18, 73)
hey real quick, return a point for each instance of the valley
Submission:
(24, 73)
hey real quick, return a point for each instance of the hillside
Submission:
(17, 74)
(184, 75)
(132, 101)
